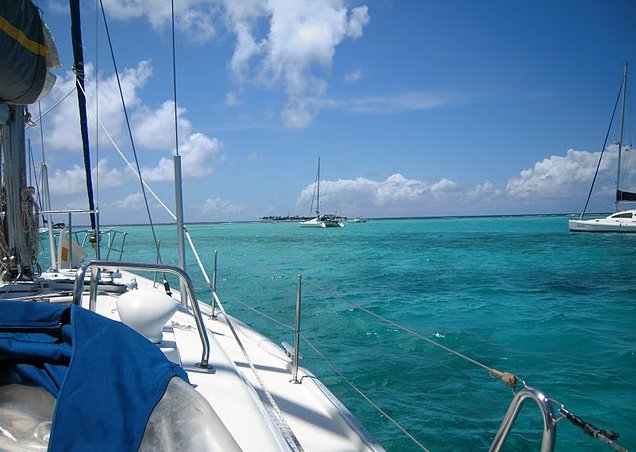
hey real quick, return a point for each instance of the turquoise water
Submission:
(520, 294)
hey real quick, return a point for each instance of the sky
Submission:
(415, 108)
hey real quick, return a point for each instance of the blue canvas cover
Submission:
(107, 378)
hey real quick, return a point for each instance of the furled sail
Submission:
(78, 67)
(625, 196)
(27, 52)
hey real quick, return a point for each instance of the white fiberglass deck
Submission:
(313, 414)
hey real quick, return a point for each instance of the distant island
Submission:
(290, 218)
(298, 218)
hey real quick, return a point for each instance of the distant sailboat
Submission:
(320, 221)
(620, 220)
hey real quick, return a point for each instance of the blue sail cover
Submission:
(107, 378)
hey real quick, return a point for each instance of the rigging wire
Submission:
(174, 85)
(43, 153)
(159, 200)
(598, 165)
(371, 402)
(33, 122)
(132, 141)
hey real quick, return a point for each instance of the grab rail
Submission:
(98, 265)
(549, 422)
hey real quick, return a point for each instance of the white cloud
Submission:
(277, 42)
(486, 190)
(397, 103)
(152, 129)
(130, 203)
(193, 17)
(303, 35)
(220, 208)
(541, 188)
(73, 180)
(395, 192)
(357, 21)
(443, 186)
(232, 99)
(560, 176)
(353, 76)
(196, 154)
(70, 181)
(63, 121)
(155, 129)
(299, 114)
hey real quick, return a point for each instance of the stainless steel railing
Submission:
(549, 421)
(97, 265)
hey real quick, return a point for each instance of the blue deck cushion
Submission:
(107, 378)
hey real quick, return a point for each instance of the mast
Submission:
(19, 226)
(318, 191)
(620, 142)
(78, 67)
(28, 53)
(177, 172)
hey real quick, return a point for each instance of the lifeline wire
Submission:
(371, 402)
(507, 378)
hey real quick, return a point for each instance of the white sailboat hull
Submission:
(624, 222)
(324, 223)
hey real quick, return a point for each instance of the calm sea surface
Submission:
(520, 294)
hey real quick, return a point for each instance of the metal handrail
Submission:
(99, 265)
(70, 213)
(549, 421)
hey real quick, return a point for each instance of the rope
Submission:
(30, 214)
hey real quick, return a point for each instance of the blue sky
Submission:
(416, 108)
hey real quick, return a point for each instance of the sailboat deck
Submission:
(316, 418)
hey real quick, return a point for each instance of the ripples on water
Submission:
(518, 294)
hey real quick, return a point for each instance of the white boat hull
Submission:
(317, 223)
(624, 222)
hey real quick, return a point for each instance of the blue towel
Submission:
(107, 378)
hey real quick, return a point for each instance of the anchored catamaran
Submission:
(324, 220)
(620, 220)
